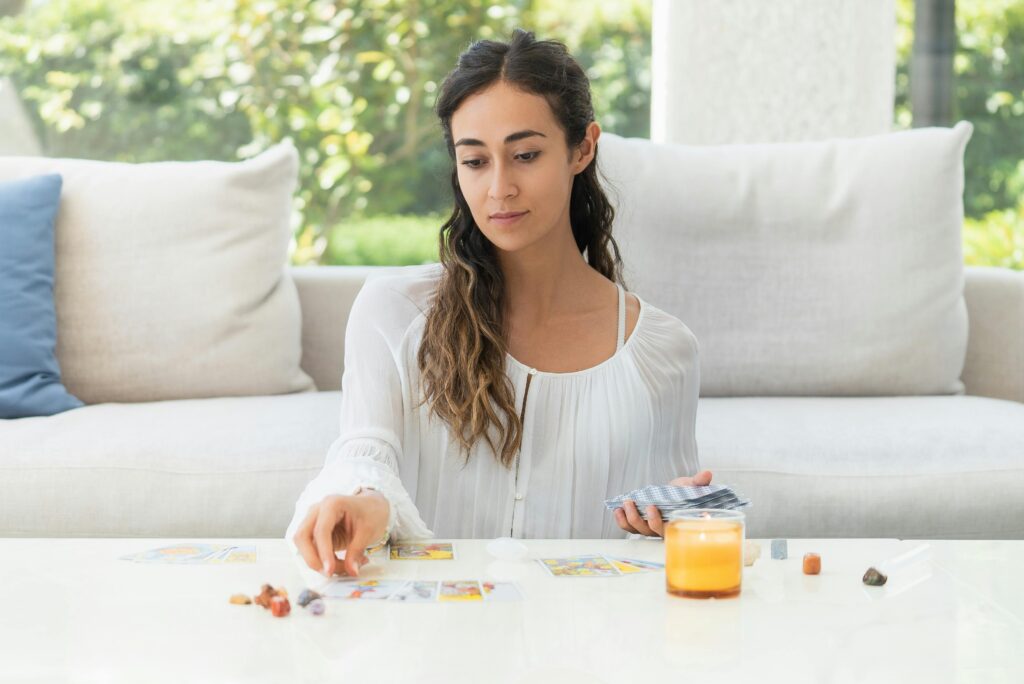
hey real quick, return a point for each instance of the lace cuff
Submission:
(404, 521)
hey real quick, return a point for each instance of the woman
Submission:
(512, 388)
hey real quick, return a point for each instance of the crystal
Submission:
(306, 596)
(812, 564)
(279, 606)
(874, 578)
(266, 594)
(240, 599)
(317, 607)
(779, 551)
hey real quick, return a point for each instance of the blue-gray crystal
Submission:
(307, 596)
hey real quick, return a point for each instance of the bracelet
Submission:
(379, 545)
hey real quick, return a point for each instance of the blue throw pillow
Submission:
(29, 373)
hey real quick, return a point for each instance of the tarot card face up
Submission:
(418, 551)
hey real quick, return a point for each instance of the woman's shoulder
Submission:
(395, 297)
(415, 284)
(663, 330)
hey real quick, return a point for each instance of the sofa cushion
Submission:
(29, 373)
(170, 277)
(908, 467)
(817, 268)
(230, 467)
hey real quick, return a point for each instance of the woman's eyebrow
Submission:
(511, 138)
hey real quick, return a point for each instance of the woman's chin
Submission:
(510, 244)
(509, 241)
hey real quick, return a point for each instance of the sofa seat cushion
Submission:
(906, 467)
(228, 467)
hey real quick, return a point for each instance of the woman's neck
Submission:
(547, 280)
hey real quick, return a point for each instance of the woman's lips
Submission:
(506, 220)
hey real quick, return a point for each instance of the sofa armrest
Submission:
(326, 294)
(994, 366)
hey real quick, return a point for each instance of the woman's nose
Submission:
(502, 183)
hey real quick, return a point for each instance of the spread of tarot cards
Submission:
(420, 591)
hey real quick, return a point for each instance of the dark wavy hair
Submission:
(462, 354)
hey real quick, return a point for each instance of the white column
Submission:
(16, 134)
(730, 71)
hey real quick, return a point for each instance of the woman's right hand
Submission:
(342, 522)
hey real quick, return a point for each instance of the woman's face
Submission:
(512, 158)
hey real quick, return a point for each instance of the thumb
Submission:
(702, 478)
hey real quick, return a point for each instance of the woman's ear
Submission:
(587, 147)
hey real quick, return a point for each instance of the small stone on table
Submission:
(279, 606)
(779, 549)
(874, 578)
(266, 594)
(306, 596)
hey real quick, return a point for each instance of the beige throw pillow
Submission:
(170, 277)
(812, 268)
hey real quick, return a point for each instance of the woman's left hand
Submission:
(628, 517)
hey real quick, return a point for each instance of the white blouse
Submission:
(588, 435)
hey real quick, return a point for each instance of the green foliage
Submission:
(351, 84)
(118, 81)
(989, 67)
(989, 92)
(996, 239)
(386, 240)
(904, 49)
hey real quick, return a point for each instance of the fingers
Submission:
(304, 541)
(354, 552)
(634, 519)
(654, 521)
(620, 518)
(323, 537)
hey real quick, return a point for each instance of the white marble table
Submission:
(70, 611)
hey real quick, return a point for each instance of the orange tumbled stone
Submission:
(812, 564)
(240, 599)
(279, 606)
(266, 594)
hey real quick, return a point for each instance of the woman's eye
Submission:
(477, 163)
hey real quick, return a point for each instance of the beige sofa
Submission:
(855, 380)
(813, 467)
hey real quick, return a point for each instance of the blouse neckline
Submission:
(584, 371)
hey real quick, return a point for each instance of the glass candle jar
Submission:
(704, 553)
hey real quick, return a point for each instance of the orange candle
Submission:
(704, 553)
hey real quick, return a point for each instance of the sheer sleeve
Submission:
(368, 452)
